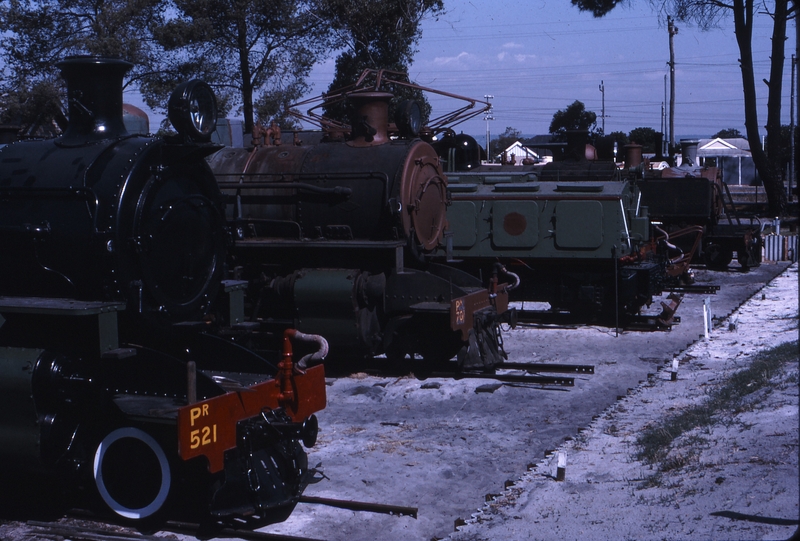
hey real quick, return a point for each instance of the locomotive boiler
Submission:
(575, 232)
(114, 382)
(334, 238)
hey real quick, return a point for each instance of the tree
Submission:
(245, 49)
(376, 34)
(605, 146)
(707, 14)
(784, 146)
(574, 117)
(728, 133)
(39, 33)
(645, 137)
(597, 7)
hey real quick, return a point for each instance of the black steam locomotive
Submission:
(334, 237)
(114, 381)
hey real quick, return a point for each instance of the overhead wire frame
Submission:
(383, 80)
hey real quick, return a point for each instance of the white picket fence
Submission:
(780, 248)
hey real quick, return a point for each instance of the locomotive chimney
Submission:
(689, 152)
(371, 118)
(633, 155)
(576, 144)
(94, 92)
(659, 142)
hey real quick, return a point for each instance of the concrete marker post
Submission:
(561, 469)
(707, 317)
(674, 375)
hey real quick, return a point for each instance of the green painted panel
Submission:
(579, 224)
(515, 224)
(324, 304)
(462, 218)
(19, 429)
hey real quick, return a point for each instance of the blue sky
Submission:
(536, 57)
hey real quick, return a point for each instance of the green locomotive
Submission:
(573, 230)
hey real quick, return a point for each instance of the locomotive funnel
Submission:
(633, 155)
(577, 148)
(689, 152)
(371, 119)
(94, 92)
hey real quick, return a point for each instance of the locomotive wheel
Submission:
(744, 260)
(751, 256)
(132, 474)
(717, 257)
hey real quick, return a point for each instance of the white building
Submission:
(519, 153)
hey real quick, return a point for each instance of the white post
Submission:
(707, 317)
(561, 470)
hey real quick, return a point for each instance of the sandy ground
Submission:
(739, 478)
(443, 445)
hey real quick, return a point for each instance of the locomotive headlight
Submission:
(192, 110)
(408, 118)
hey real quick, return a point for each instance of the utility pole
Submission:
(603, 109)
(487, 117)
(792, 164)
(796, 5)
(665, 142)
(673, 30)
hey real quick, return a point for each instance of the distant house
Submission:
(733, 156)
(519, 152)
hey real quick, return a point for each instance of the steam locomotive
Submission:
(695, 194)
(114, 380)
(574, 230)
(334, 237)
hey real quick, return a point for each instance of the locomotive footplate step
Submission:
(508, 378)
(551, 367)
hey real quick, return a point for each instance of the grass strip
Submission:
(654, 442)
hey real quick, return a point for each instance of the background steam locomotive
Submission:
(577, 234)
(695, 194)
(336, 236)
(114, 251)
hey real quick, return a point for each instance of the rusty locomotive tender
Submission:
(114, 380)
(691, 194)
(337, 237)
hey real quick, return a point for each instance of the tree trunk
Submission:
(743, 24)
(777, 198)
(247, 76)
